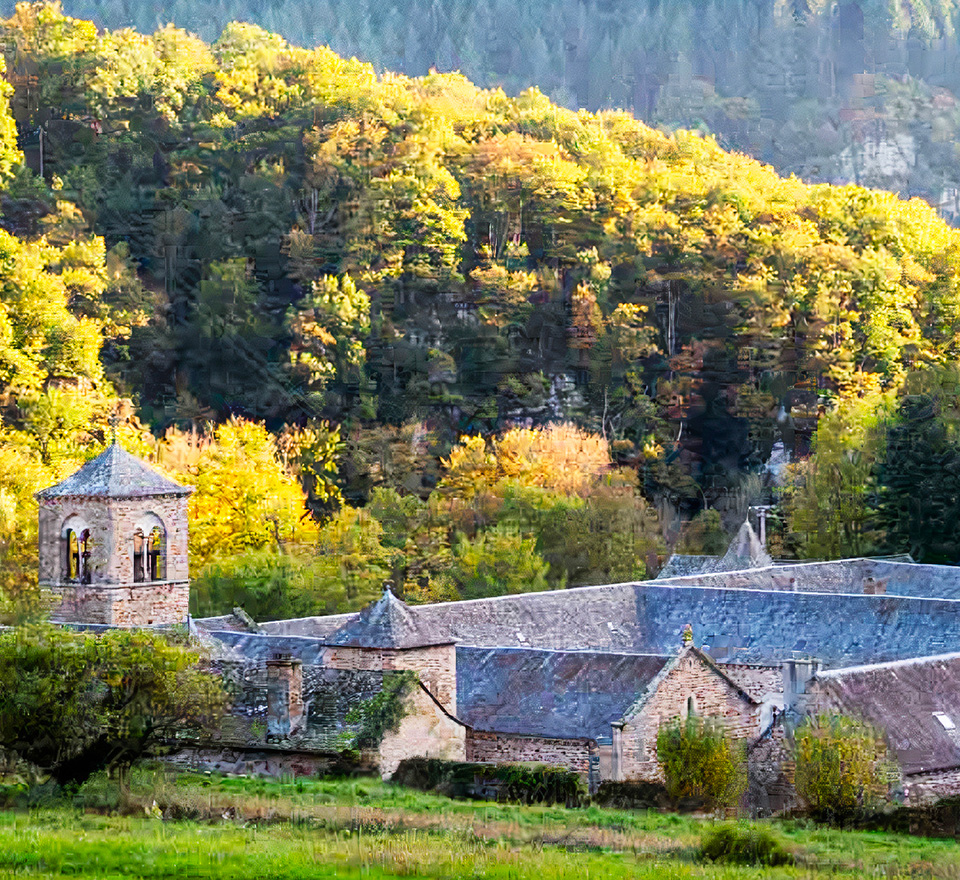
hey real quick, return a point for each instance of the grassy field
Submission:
(191, 826)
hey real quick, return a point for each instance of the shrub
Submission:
(631, 795)
(700, 761)
(527, 783)
(72, 703)
(842, 767)
(743, 845)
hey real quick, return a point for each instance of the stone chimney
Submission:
(797, 674)
(874, 586)
(284, 696)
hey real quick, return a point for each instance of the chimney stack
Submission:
(284, 696)
(797, 674)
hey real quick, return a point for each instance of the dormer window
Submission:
(945, 720)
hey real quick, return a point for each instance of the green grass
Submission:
(249, 828)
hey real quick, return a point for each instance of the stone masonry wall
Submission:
(500, 748)
(133, 513)
(146, 605)
(112, 522)
(112, 597)
(714, 697)
(924, 788)
(436, 666)
(758, 681)
(425, 731)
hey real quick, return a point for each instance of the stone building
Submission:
(582, 678)
(113, 544)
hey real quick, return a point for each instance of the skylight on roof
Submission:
(945, 720)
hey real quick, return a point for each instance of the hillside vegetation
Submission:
(855, 91)
(376, 266)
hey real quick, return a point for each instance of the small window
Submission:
(138, 542)
(157, 564)
(691, 706)
(77, 552)
(72, 546)
(945, 720)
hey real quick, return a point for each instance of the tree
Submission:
(842, 766)
(699, 760)
(244, 497)
(918, 480)
(496, 562)
(73, 703)
(829, 498)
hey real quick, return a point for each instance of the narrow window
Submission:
(691, 706)
(84, 547)
(72, 545)
(138, 548)
(156, 555)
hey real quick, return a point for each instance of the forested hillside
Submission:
(377, 268)
(852, 91)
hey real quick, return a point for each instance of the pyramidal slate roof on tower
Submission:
(114, 473)
(745, 551)
(388, 623)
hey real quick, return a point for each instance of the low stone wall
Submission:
(505, 748)
(260, 762)
(924, 788)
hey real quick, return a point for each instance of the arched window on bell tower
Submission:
(156, 554)
(76, 552)
(71, 546)
(149, 552)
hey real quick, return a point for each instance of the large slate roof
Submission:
(114, 473)
(388, 623)
(737, 625)
(901, 698)
(892, 576)
(549, 693)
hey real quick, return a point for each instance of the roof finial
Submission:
(114, 421)
(687, 635)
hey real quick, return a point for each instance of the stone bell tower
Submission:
(113, 544)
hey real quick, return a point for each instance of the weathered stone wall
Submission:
(143, 605)
(436, 666)
(112, 522)
(924, 788)
(760, 681)
(133, 513)
(255, 762)
(713, 697)
(425, 731)
(502, 748)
